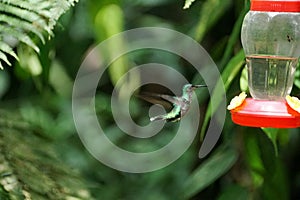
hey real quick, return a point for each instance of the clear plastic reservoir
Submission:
(271, 41)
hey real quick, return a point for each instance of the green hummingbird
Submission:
(180, 105)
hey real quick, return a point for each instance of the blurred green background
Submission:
(247, 163)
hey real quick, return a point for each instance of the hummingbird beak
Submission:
(198, 86)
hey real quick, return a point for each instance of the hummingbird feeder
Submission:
(271, 41)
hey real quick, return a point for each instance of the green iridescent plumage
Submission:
(180, 105)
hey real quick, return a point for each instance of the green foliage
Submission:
(266, 169)
(22, 21)
(29, 167)
(235, 192)
(209, 171)
(39, 147)
(272, 135)
(109, 21)
(297, 75)
(228, 75)
(211, 11)
(244, 80)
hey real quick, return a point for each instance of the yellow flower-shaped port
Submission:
(237, 101)
(293, 102)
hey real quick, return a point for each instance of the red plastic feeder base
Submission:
(263, 113)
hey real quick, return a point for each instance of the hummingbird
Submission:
(180, 105)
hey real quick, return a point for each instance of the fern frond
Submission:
(23, 14)
(12, 21)
(4, 58)
(26, 20)
(23, 37)
(7, 49)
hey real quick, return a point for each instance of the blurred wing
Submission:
(171, 99)
(156, 99)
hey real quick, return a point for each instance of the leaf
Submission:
(211, 11)
(297, 75)
(30, 168)
(25, 20)
(12, 21)
(20, 36)
(4, 83)
(148, 3)
(235, 192)
(7, 49)
(29, 60)
(234, 37)
(109, 21)
(187, 4)
(209, 171)
(267, 170)
(59, 79)
(4, 58)
(244, 80)
(253, 159)
(228, 75)
(272, 135)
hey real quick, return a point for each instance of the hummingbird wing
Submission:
(165, 97)
(165, 100)
(172, 99)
